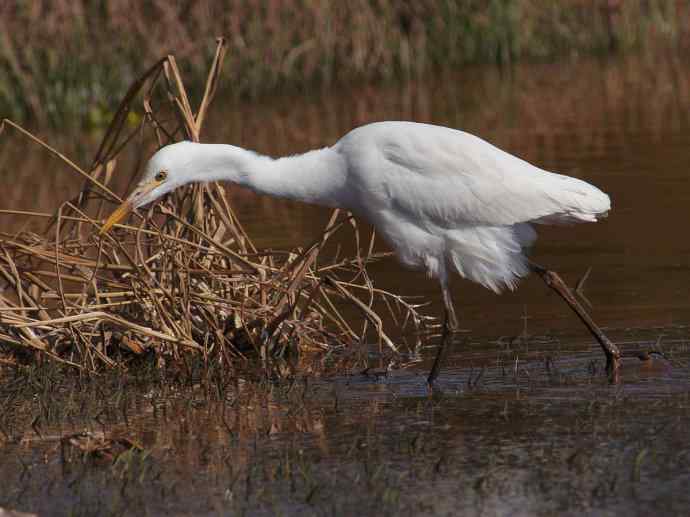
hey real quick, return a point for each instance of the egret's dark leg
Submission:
(551, 278)
(450, 325)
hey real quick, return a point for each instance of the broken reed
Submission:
(184, 281)
(71, 60)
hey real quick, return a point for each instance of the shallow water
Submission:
(527, 429)
(526, 423)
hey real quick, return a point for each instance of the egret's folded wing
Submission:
(450, 177)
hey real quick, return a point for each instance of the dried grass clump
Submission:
(185, 281)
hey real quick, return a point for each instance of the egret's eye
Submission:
(161, 175)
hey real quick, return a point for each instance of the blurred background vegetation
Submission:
(68, 62)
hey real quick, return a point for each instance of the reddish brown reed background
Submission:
(65, 61)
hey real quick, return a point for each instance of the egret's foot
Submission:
(446, 335)
(611, 351)
(613, 365)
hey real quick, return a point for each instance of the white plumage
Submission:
(445, 200)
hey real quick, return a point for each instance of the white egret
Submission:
(443, 199)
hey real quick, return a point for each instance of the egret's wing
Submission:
(450, 177)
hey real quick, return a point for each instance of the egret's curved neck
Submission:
(314, 177)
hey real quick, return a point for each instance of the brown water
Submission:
(525, 425)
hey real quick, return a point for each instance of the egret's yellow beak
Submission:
(118, 215)
(127, 206)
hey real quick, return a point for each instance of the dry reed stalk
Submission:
(183, 280)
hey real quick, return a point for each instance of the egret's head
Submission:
(168, 169)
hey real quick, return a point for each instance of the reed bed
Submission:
(71, 60)
(182, 282)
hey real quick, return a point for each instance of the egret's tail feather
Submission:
(577, 201)
(492, 256)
